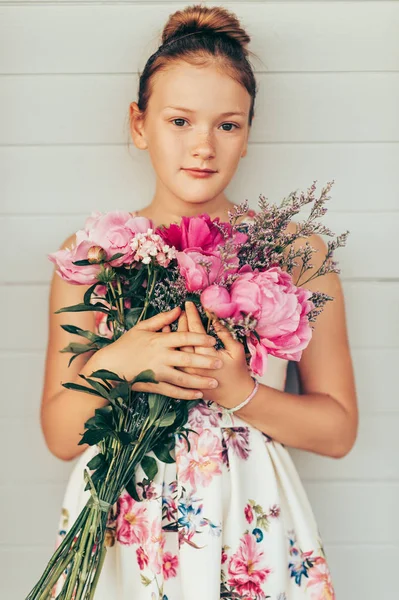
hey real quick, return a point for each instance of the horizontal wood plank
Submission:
(290, 107)
(369, 326)
(376, 441)
(375, 373)
(78, 179)
(359, 259)
(286, 36)
(347, 513)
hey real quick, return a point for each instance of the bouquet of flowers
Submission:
(237, 273)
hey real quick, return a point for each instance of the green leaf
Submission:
(94, 436)
(97, 461)
(144, 580)
(104, 374)
(125, 437)
(162, 453)
(97, 477)
(100, 387)
(78, 348)
(98, 306)
(130, 487)
(149, 466)
(82, 332)
(81, 263)
(88, 293)
(80, 388)
(167, 419)
(115, 256)
(122, 390)
(147, 376)
(132, 316)
(262, 522)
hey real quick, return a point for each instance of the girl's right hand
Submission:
(151, 345)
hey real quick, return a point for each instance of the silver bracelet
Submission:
(251, 395)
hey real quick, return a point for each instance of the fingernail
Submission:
(217, 364)
(213, 383)
(199, 395)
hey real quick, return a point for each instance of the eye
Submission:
(234, 125)
(223, 124)
(179, 119)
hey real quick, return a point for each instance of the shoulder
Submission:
(69, 242)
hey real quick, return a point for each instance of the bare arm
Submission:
(64, 412)
(324, 419)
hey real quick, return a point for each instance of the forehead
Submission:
(205, 88)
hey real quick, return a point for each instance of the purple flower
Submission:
(237, 440)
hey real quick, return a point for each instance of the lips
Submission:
(200, 170)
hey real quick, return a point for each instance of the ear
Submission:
(137, 127)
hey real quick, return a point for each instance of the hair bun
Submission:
(202, 18)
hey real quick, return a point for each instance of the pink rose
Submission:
(216, 299)
(64, 259)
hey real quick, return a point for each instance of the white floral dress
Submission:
(230, 519)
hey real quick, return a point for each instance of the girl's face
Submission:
(185, 128)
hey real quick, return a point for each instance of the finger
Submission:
(194, 360)
(182, 325)
(194, 318)
(195, 324)
(191, 381)
(177, 339)
(156, 322)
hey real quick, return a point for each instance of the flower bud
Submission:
(96, 254)
(106, 275)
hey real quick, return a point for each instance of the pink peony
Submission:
(64, 259)
(197, 274)
(282, 326)
(259, 354)
(248, 568)
(216, 299)
(155, 546)
(203, 462)
(320, 581)
(201, 233)
(114, 231)
(131, 521)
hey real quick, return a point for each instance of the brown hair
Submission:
(195, 35)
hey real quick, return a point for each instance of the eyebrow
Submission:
(225, 114)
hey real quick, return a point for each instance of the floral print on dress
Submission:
(182, 518)
(311, 566)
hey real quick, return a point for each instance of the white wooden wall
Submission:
(327, 109)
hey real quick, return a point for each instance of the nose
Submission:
(203, 148)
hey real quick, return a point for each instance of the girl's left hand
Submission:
(235, 381)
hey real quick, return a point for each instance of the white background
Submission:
(327, 109)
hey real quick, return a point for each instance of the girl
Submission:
(230, 519)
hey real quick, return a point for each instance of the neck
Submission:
(166, 208)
